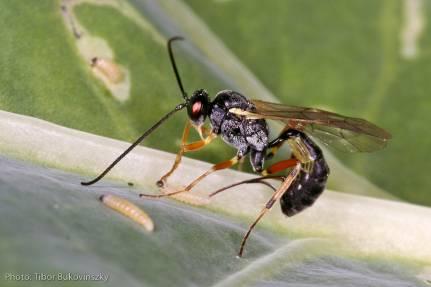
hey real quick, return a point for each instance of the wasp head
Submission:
(198, 107)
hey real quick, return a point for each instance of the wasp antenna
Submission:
(139, 140)
(174, 65)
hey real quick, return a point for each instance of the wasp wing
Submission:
(344, 133)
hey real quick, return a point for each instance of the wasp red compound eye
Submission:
(196, 108)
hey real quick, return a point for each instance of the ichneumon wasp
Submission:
(242, 124)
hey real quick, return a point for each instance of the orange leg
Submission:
(180, 153)
(287, 181)
(279, 166)
(186, 148)
(219, 166)
(270, 203)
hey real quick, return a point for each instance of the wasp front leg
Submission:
(180, 153)
(206, 138)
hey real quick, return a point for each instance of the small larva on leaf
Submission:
(109, 69)
(128, 209)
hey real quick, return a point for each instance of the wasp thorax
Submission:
(198, 107)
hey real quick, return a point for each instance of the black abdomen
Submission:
(307, 187)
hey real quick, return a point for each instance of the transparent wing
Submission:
(340, 132)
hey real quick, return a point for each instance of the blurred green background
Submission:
(345, 56)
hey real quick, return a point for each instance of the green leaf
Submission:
(54, 224)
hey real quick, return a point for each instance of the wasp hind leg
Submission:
(278, 193)
(270, 203)
(260, 180)
(267, 174)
